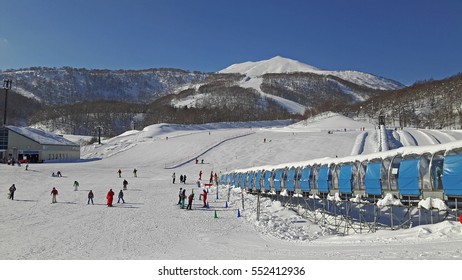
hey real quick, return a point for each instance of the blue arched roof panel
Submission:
(290, 181)
(277, 179)
(236, 179)
(408, 177)
(452, 175)
(305, 179)
(372, 178)
(323, 179)
(345, 179)
(257, 180)
(249, 180)
(266, 180)
(242, 181)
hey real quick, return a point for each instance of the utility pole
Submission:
(7, 83)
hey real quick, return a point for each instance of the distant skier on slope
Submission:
(179, 196)
(204, 197)
(76, 186)
(54, 193)
(183, 197)
(12, 189)
(90, 197)
(121, 197)
(190, 200)
(110, 198)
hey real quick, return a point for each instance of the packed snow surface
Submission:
(151, 226)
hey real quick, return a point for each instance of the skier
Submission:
(76, 186)
(204, 197)
(110, 197)
(184, 179)
(121, 196)
(211, 178)
(54, 193)
(216, 178)
(183, 197)
(200, 175)
(173, 177)
(90, 197)
(12, 189)
(125, 183)
(134, 173)
(179, 196)
(190, 199)
(27, 166)
(120, 173)
(181, 178)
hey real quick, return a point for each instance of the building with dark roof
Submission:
(35, 145)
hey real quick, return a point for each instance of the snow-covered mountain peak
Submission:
(276, 64)
(280, 64)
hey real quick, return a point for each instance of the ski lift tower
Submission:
(381, 120)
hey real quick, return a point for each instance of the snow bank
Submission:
(433, 203)
(389, 200)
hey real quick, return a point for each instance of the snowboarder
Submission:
(90, 197)
(204, 197)
(58, 174)
(12, 189)
(76, 186)
(27, 166)
(120, 173)
(125, 184)
(135, 173)
(110, 198)
(190, 200)
(54, 193)
(121, 197)
(173, 177)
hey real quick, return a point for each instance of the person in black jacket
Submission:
(12, 189)
(121, 197)
(90, 197)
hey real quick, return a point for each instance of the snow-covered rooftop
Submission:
(41, 137)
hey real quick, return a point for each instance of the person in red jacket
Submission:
(54, 193)
(110, 197)
(204, 197)
(190, 200)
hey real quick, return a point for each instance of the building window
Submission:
(3, 139)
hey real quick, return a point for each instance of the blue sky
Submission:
(405, 40)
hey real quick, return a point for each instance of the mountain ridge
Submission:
(279, 64)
